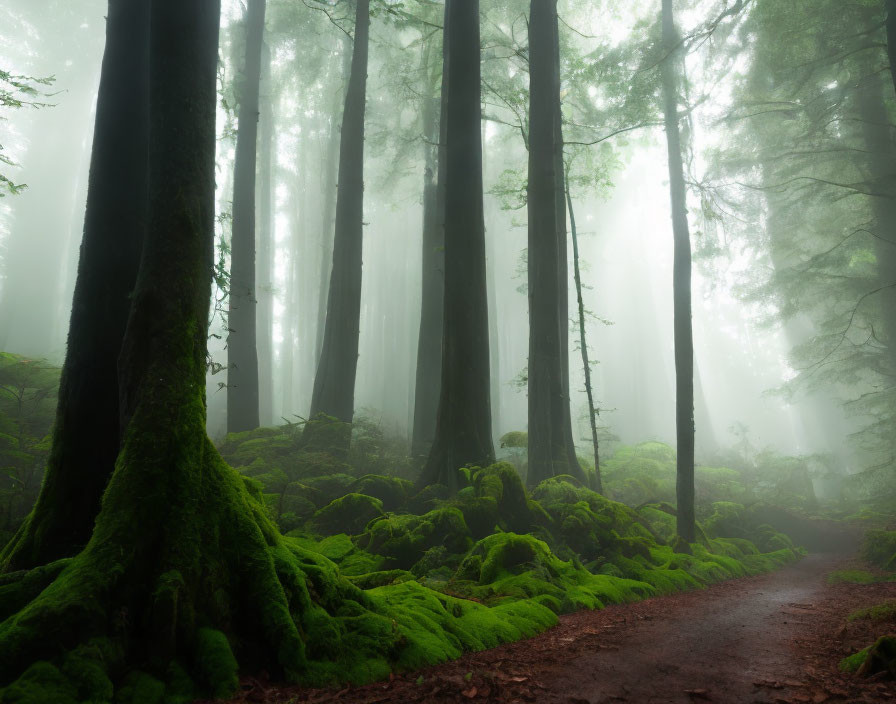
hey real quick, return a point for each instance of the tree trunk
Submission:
(463, 426)
(334, 383)
(547, 442)
(266, 243)
(429, 344)
(681, 284)
(564, 421)
(86, 435)
(876, 131)
(329, 189)
(242, 354)
(583, 342)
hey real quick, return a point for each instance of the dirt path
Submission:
(771, 639)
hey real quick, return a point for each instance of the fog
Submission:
(625, 239)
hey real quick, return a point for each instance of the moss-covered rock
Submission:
(392, 491)
(403, 539)
(348, 514)
(877, 658)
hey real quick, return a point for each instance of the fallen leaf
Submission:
(470, 693)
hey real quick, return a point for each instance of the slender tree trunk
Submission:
(583, 342)
(564, 421)
(334, 382)
(429, 344)
(464, 425)
(547, 442)
(242, 354)
(681, 284)
(265, 264)
(86, 435)
(328, 211)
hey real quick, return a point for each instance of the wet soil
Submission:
(773, 639)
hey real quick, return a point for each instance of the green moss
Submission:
(876, 658)
(880, 548)
(403, 539)
(877, 613)
(851, 577)
(140, 688)
(39, 684)
(853, 662)
(216, 668)
(348, 514)
(392, 491)
(18, 588)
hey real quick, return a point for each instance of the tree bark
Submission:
(87, 432)
(564, 421)
(876, 132)
(463, 426)
(583, 342)
(328, 212)
(265, 264)
(429, 344)
(681, 284)
(547, 442)
(242, 353)
(334, 382)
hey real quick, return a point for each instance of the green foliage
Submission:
(851, 577)
(877, 613)
(880, 548)
(27, 410)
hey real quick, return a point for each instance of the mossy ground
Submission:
(360, 585)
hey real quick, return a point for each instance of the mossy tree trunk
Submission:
(670, 69)
(463, 433)
(429, 344)
(87, 433)
(242, 352)
(547, 442)
(334, 382)
(182, 552)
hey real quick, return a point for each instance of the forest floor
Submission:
(776, 639)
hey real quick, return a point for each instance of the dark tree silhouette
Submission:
(242, 352)
(463, 427)
(429, 345)
(670, 69)
(87, 434)
(334, 382)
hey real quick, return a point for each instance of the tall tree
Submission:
(547, 441)
(181, 554)
(565, 421)
(463, 427)
(265, 265)
(87, 434)
(670, 71)
(242, 353)
(330, 186)
(334, 382)
(429, 344)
